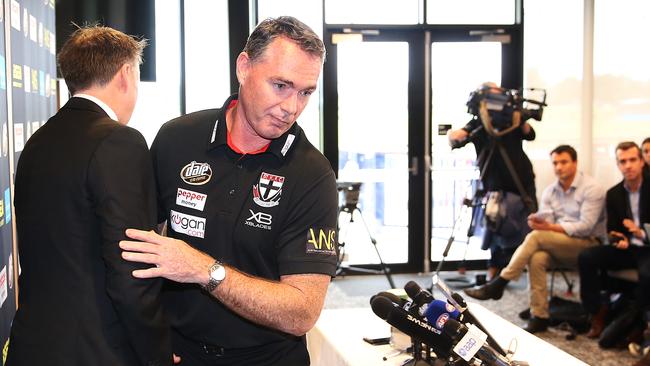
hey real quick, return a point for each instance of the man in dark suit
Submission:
(82, 180)
(628, 208)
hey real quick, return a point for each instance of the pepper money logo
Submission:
(196, 173)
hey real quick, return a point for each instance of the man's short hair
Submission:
(645, 141)
(284, 26)
(566, 149)
(93, 55)
(626, 145)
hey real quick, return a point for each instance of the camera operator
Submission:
(497, 176)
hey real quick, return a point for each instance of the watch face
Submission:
(218, 272)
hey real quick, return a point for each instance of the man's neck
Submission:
(633, 185)
(241, 133)
(566, 183)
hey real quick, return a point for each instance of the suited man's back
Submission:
(81, 180)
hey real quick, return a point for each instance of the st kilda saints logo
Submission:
(196, 174)
(268, 190)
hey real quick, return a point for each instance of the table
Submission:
(337, 339)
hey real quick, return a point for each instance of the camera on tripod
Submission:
(502, 110)
(351, 192)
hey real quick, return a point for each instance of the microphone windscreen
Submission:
(381, 306)
(392, 297)
(439, 312)
(412, 289)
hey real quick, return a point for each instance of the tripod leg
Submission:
(383, 266)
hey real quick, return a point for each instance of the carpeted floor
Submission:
(355, 292)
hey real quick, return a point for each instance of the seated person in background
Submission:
(495, 176)
(570, 219)
(645, 150)
(628, 208)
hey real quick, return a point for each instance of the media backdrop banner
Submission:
(32, 66)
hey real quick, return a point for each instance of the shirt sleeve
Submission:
(122, 184)
(591, 209)
(308, 244)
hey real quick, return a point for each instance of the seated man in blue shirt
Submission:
(570, 219)
(628, 208)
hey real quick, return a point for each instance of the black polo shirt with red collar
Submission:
(267, 214)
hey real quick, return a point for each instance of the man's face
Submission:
(645, 150)
(563, 166)
(275, 88)
(629, 163)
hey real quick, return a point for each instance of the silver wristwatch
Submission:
(217, 273)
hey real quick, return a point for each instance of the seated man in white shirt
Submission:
(570, 219)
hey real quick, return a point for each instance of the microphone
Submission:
(411, 325)
(392, 297)
(459, 303)
(471, 342)
(421, 298)
(438, 312)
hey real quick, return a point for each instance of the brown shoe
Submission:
(597, 323)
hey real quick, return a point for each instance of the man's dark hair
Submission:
(285, 26)
(645, 141)
(93, 55)
(626, 145)
(566, 149)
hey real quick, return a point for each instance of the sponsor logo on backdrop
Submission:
(11, 271)
(268, 190)
(196, 173)
(187, 224)
(321, 241)
(2, 212)
(3, 286)
(191, 199)
(260, 220)
(8, 210)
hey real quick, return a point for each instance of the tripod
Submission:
(350, 206)
(485, 159)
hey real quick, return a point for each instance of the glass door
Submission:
(454, 176)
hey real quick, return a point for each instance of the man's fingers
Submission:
(138, 246)
(141, 235)
(141, 257)
(148, 273)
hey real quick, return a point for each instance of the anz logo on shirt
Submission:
(321, 241)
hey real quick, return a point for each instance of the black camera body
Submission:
(501, 104)
(351, 192)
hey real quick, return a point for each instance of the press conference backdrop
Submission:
(31, 63)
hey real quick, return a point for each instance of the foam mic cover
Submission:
(392, 297)
(438, 312)
(417, 294)
(411, 325)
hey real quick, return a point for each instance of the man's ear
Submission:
(122, 77)
(243, 67)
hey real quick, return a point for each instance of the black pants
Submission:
(594, 262)
(284, 353)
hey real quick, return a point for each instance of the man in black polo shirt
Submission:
(251, 211)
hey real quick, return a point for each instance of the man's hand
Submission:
(622, 243)
(633, 229)
(536, 222)
(173, 259)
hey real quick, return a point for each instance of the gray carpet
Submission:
(355, 292)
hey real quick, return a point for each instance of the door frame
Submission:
(419, 38)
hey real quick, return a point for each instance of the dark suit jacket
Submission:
(618, 207)
(81, 180)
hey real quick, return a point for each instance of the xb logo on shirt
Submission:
(268, 190)
(259, 220)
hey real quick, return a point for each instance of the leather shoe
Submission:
(536, 324)
(598, 323)
(524, 314)
(491, 290)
